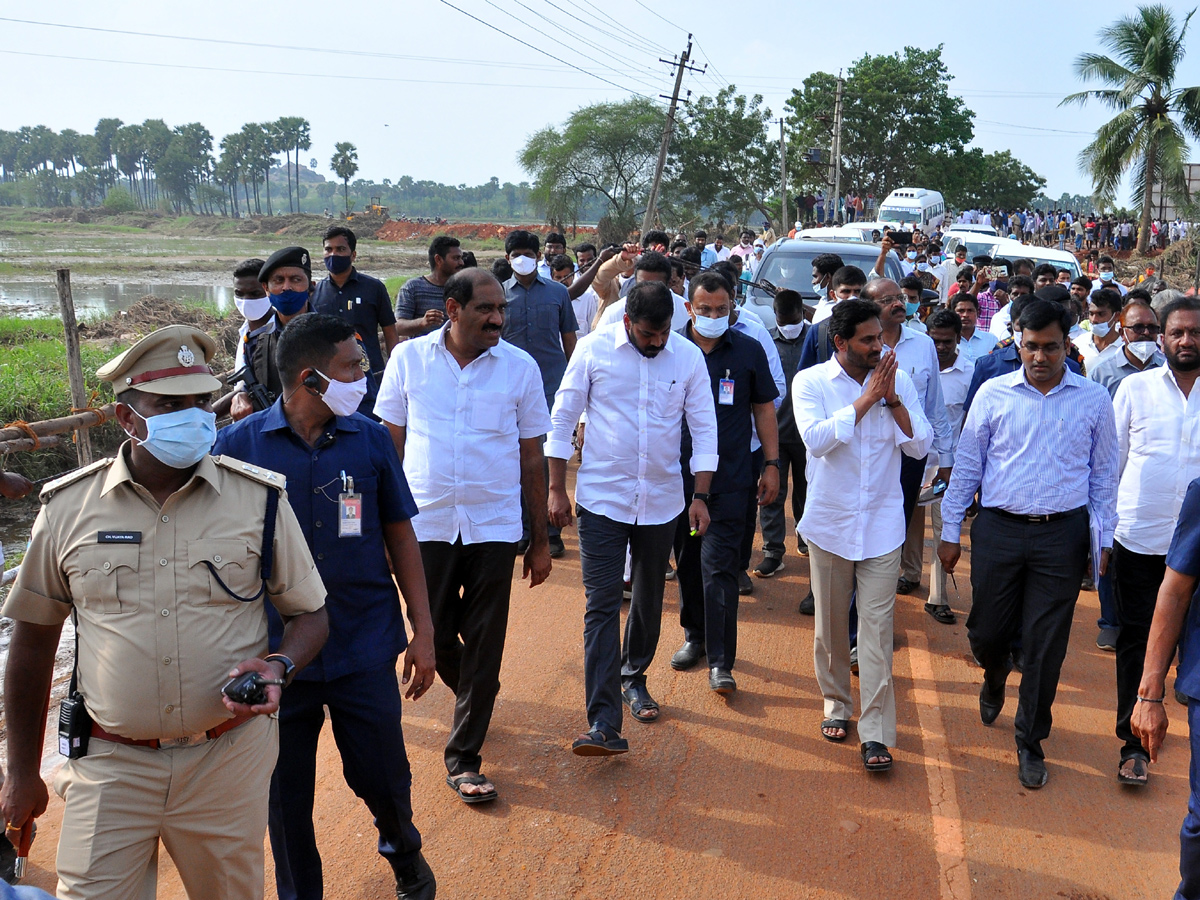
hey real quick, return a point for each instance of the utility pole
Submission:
(783, 206)
(835, 153)
(681, 64)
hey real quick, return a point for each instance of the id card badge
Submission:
(725, 391)
(349, 509)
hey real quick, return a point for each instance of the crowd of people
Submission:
(1067, 229)
(425, 447)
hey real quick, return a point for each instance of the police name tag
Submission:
(349, 515)
(725, 391)
(118, 537)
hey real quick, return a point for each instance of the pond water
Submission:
(36, 299)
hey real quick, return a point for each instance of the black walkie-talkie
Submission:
(74, 721)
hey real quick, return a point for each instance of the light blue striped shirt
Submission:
(1033, 454)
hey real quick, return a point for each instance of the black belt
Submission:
(1034, 519)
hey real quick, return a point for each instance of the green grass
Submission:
(7, 268)
(394, 284)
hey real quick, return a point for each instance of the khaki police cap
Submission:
(173, 360)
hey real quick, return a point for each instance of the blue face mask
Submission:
(289, 302)
(911, 309)
(179, 439)
(338, 264)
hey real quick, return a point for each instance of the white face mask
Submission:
(1017, 338)
(523, 265)
(1143, 350)
(1101, 329)
(791, 332)
(710, 328)
(343, 397)
(253, 308)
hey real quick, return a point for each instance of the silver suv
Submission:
(788, 264)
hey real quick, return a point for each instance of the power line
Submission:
(597, 14)
(708, 60)
(1035, 128)
(539, 49)
(578, 38)
(226, 69)
(656, 15)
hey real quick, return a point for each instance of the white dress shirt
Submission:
(1086, 345)
(635, 409)
(956, 381)
(855, 507)
(244, 332)
(1000, 321)
(585, 306)
(749, 324)
(1158, 437)
(461, 455)
(823, 310)
(917, 357)
(615, 312)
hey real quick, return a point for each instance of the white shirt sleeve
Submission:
(569, 403)
(701, 415)
(392, 403)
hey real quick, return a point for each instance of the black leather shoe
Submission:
(1030, 770)
(687, 656)
(721, 681)
(522, 546)
(557, 548)
(745, 585)
(990, 705)
(415, 881)
(808, 606)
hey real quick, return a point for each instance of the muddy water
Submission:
(40, 299)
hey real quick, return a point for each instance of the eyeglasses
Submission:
(1148, 330)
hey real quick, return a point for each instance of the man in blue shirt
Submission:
(1177, 622)
(708, 256)
(1040, 447)
(540, 319)
(347, 489)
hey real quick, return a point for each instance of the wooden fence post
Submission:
(79, 396)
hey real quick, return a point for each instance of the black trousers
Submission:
(1138, 578)
(912, 471)
(607, 667)
(469, 589)
(746, 547)
(364, 709)
(1025, 579)
(792, 459)
(707, 576)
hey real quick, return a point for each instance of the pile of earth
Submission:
(394, 230)
(151, 313)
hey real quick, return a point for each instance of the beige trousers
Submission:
(207, 803)
(912, 560)
(834, 581)
(937, 575)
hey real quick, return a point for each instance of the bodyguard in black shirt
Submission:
(743, 388)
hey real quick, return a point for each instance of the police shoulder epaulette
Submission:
(254, 473)
(71, 477)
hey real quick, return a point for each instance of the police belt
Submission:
(188, 740)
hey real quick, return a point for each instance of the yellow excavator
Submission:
(375, 209)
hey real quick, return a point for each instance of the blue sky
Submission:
(424, 90)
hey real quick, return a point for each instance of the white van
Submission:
(913, 208)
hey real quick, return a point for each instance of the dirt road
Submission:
(743, 799)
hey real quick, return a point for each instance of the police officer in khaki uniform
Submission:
(147, 551)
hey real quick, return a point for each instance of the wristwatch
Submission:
(289, 667)
(699, 495)
(898, 402)
(773, 462)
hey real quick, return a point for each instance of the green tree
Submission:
(724, 158)
(605, 150)
(1143, 136)
(970, 179)
(898, 116)
(345, 164)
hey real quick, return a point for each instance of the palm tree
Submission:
(1143, 136)
(345, 164)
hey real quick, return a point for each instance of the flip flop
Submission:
(1139, 768)
(457, 781)
(879, 751)
(843, 724)
(638, 699)
(597, 743)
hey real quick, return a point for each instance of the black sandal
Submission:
(1139, 768)
(637, 698)
(942, 613)
(599, 742)
(456, 783)
(878, 751)
(843, 724)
